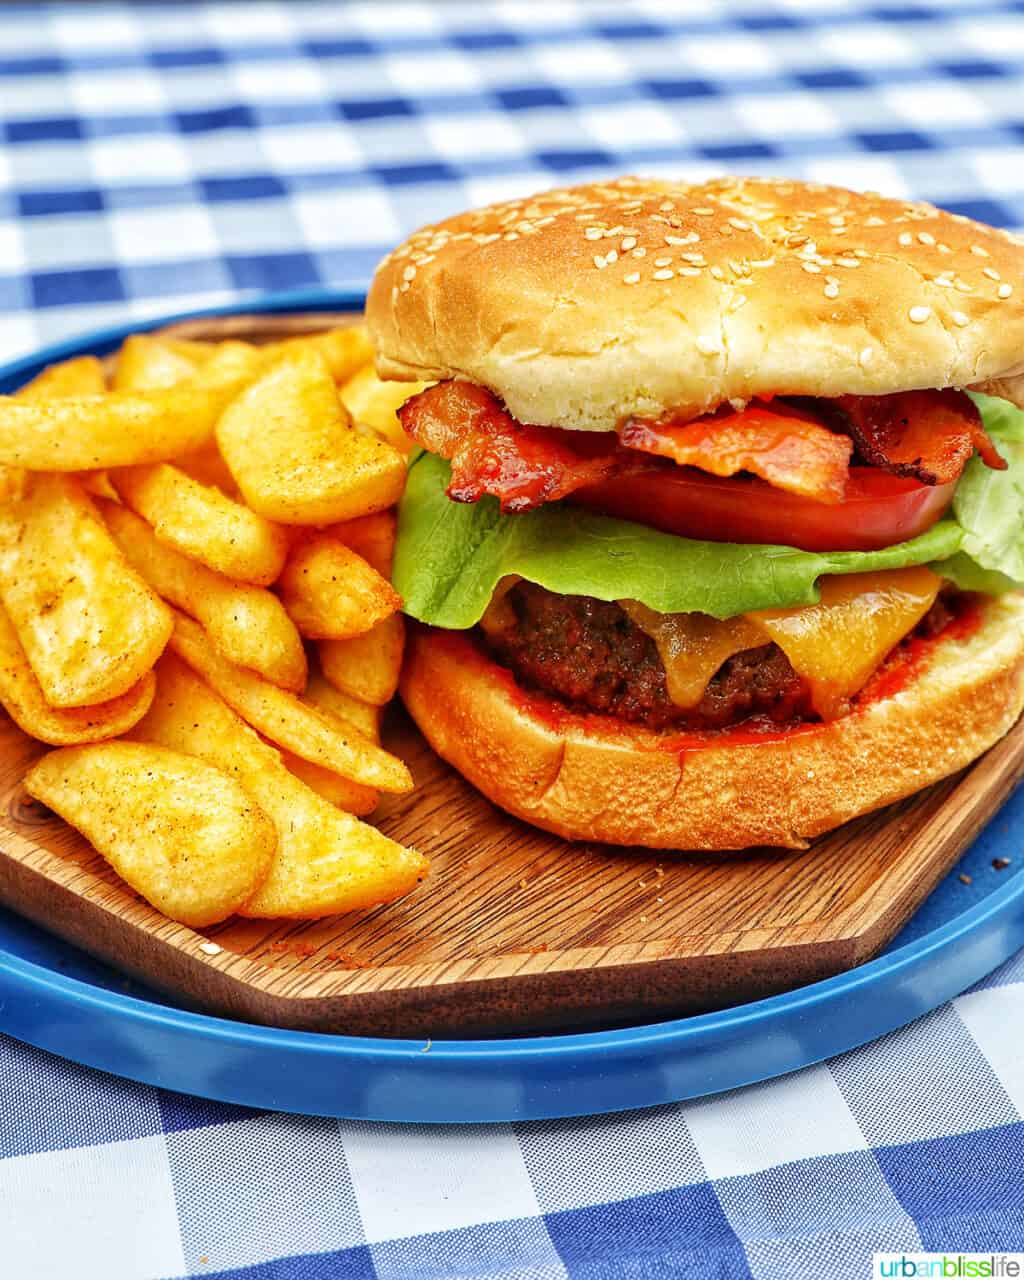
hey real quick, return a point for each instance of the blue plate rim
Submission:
(46, 994)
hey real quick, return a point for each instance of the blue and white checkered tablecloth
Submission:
(166, 156)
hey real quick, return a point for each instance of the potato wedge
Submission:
(199, 521)
(353, 797)
(22, 699)
(293, 452)
(366, 667)
(248, 624)
(344, 350)
(374, 403)
(80, 376)
(185, 835)
(208, 467)
(365, 717)
(146, 362)
(196, 350)
(84, 433)
(327, 860)
(89, 625)
(372, 537)
(287, 721)
(330, 592)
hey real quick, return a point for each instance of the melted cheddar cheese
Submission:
(836, 644)
(692, 646)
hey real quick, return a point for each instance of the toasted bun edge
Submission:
(617, 785)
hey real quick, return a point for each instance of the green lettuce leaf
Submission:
(450, 556)
(989, 507)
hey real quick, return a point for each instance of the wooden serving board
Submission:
(514, 930)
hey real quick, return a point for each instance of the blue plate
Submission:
(54, 996)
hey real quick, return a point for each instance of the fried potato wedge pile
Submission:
(196, 609)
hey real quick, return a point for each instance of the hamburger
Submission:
(714, 534)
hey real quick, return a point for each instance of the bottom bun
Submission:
(595, 778)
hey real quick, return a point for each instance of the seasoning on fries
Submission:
(173, 529)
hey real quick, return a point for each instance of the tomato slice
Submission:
(878, 510)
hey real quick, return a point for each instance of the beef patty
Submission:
(590, 654)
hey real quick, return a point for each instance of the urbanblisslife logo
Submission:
(947, 1266)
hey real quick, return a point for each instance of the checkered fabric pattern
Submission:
(167, 156)
(171, 155)
(914, 1142)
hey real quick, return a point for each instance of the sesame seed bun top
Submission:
(583, 306)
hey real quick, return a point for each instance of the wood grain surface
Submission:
(514, 930)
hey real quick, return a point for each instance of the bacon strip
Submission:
(929, 435)
(492, 453)
(789, 450)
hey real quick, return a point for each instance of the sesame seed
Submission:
(874, 221)
(409, 273)
(666, 206)
(511, 235)
(404, 286)
(1005, 290)
(865, 357)
(906, 238)
(632, 278)
(991, 272)
(832, 291)
(739, 224)
(740, 300)
(703, 213)
(978, 251)
(662, 275)
(611, 256)
(707, 346)
(943, 248)
(210, 948)
(718, 273)
(599, 262)
(687, 271)
(961, 319)
(593, 233)
(847, 262)
(925, 237)
(963, 286)
(918, 315)
(696, 258)
(837, 219)
(812, 267)
(662, 262)
(640, 253)
(628, 243)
